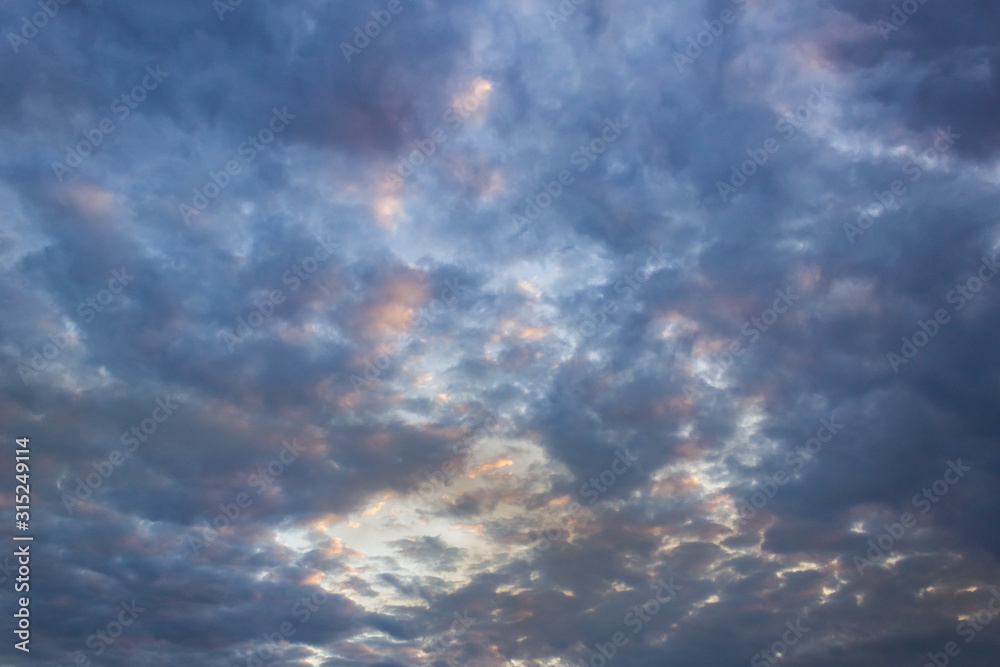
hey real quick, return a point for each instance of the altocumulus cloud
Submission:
(359, 550)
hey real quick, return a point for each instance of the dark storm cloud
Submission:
(222, 531)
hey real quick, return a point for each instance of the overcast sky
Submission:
(483, 333)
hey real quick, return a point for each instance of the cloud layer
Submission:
(485, 333)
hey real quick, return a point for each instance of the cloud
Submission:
(501, 366)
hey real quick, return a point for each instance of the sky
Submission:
(476, 333)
